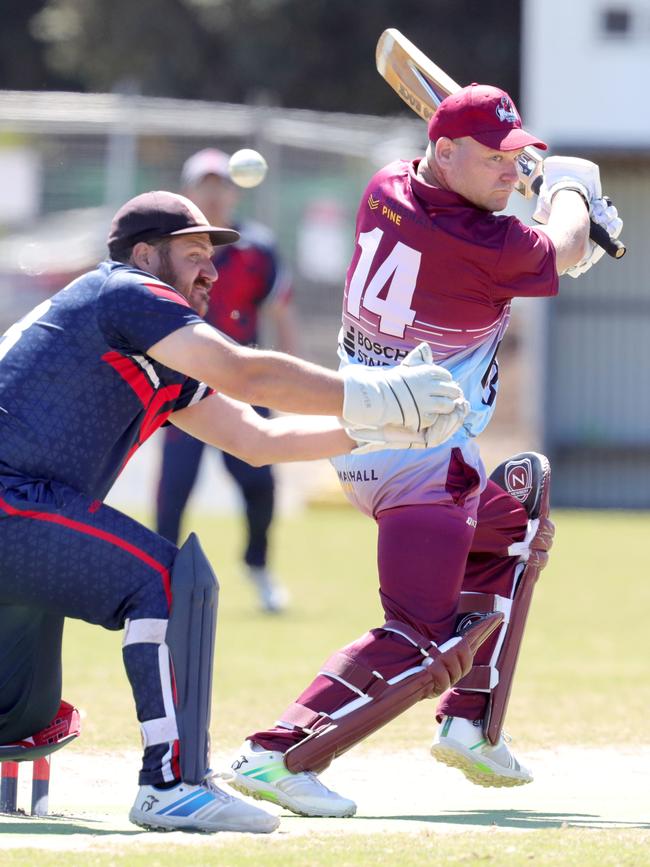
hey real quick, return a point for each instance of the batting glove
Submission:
(603, 212)
(392, 437)
(412, 394)
(566, 173)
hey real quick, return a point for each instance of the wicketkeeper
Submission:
(85, 378)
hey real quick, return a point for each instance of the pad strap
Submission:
(145, 630)
(366, 683)
(357, 677)
(158, 731)
(484, 603)
(484, 678)
(522, 549)
(300, 716)
(425, 645)
(481, 678)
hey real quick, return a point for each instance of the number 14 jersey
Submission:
(430, 266)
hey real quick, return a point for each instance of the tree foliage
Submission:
(23, 65)
(301, 53)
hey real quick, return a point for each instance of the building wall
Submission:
(597, 427)
(585, 64)
(582, 94)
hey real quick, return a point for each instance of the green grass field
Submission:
(582, 680)
(585, 654)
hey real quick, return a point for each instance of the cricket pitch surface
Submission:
(407, 792)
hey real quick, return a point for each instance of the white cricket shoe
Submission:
(460, 743)
(273, 598)
(262, 774)
(204, 807)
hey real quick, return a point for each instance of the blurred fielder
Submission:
(433, 263)
(85, 378)
(253, 284)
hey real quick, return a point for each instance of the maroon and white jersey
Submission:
(430, 266)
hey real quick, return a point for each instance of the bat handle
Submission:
(612, 246)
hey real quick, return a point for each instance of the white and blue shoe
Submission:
(205, 808)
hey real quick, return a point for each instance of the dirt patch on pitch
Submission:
(404, 793)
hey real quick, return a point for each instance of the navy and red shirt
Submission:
(249, 274)
(78, 392)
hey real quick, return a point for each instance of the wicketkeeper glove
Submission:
(603, 212)
(412, 394)
(566, 173)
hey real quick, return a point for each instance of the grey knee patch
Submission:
(190, 639)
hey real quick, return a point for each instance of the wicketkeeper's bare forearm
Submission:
(286, 383)
(301, 438)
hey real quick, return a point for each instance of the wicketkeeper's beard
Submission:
(168, 274)
(197, 293)
(166, 271)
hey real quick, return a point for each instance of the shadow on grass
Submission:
(519, 819)
(62, 826)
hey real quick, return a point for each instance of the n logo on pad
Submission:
(519, 478)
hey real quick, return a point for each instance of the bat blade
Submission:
(423, 85)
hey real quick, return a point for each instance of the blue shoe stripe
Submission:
(181, 803)
(176, 803)
(194, 806)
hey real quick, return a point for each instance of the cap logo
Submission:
(506, 112)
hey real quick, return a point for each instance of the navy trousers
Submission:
(180, 465)
(63, 554)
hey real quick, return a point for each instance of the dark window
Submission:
(616, 22)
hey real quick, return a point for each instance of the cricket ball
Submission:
(247, 168)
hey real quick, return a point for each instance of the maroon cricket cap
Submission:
(160, 214)
(485, 113)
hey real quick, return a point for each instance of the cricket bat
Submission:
(423, 85)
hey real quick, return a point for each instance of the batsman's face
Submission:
(484, 176)
(185, 263)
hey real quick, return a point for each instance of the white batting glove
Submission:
(603, 212)
(392, 437)
(412, 394)
(566, 173)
